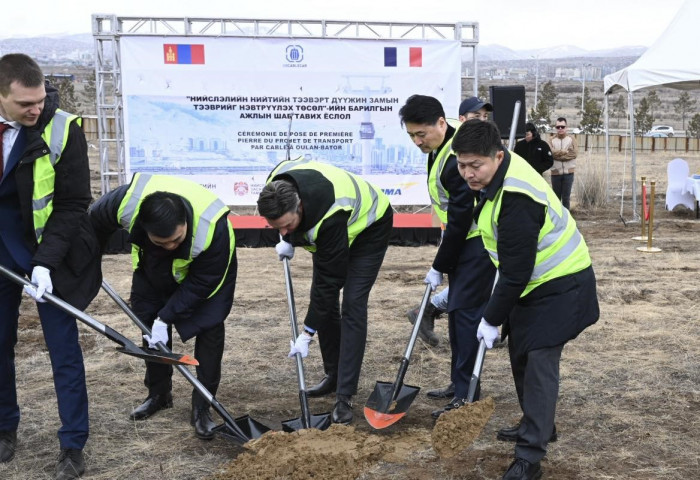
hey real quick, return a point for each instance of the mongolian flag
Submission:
(184, 54)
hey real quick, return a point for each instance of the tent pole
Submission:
(607, 150)
(630, 97)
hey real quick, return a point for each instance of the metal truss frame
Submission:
(107, 29)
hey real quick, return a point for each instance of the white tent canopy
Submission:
(672, 62)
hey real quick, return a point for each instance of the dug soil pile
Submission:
(457, 429)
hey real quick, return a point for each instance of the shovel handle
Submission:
(230, 421)
(303, 398)
(419, 319)
(476, 373)
(71, 310)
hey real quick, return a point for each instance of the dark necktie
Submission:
(3, 126)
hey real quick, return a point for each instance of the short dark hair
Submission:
(278, 198)
(421, 109)
(18, 67)
(561, 119)
(530, 127)
(477, 137)
(161, 213)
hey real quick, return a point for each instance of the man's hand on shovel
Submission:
(488, 332)
(159, 333)
(301, 345)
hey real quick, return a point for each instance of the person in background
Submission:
(473, 107)
(46, 235)
(534, 150)
(461, 253)
(564, 151)
(345, 222)
(185, 266)
(545, 294)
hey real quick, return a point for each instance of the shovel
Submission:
(240, 430)
(320, 421)
(127, 346)
(389, 402)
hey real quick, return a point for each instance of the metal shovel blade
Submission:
(157, 356)
(320, 421)
(243, 430)
(382, 411)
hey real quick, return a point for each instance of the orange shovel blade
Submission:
(381, 420)
(188, 360)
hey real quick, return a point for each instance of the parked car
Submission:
(656, 134)
(668, 130)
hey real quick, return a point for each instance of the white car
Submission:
(661, 129)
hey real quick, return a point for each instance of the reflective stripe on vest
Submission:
(439, 196)
(55, 135)
(207, 209)
(364, 201)
(561, 249)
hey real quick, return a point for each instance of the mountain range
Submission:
(79, 48)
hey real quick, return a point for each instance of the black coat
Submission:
(69, 247)
(554, 312)
(536, 152)
(154, 278)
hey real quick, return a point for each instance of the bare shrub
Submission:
(589, 184)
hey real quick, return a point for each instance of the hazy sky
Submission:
(517, 24)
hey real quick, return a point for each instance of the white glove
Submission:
(488, 332)
(159, 333)
(300, 346)
(41, 277)
(284, 250)
(434, 278)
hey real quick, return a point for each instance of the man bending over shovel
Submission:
(184, 258)
(345, 223)
(546, 288)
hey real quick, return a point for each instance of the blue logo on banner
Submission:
(295, 53)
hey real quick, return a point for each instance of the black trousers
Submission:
(343, 338)
(208, 345)
(536, 377)
(470, 290)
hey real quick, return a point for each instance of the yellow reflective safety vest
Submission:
(55, 135)
(365, 202)
(439, 196)
(561, 249)
(207, 209)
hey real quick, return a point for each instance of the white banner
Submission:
(224, 111)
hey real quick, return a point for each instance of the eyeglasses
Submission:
(560, 127)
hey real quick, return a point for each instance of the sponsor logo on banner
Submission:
(398, 189)
(240, 188)
(391, 56)
(294, 56)
(183, 54)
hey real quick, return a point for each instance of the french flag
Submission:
(415, 56)
(184, 54)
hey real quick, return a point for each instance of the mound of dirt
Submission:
(340, 452)
(457, 429)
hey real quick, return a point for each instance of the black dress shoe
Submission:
(8, 445)
(202, 422)
(510, 434)
(151, 405)
(71, 464)
(521, 469)
(447, 392)
(454, 404)
(324, 387)
(342, 412)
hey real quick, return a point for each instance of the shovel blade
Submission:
(245, 429)
(381, 410)
(158, 356)
(320, 421)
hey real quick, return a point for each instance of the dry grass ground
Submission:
(630, 397)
